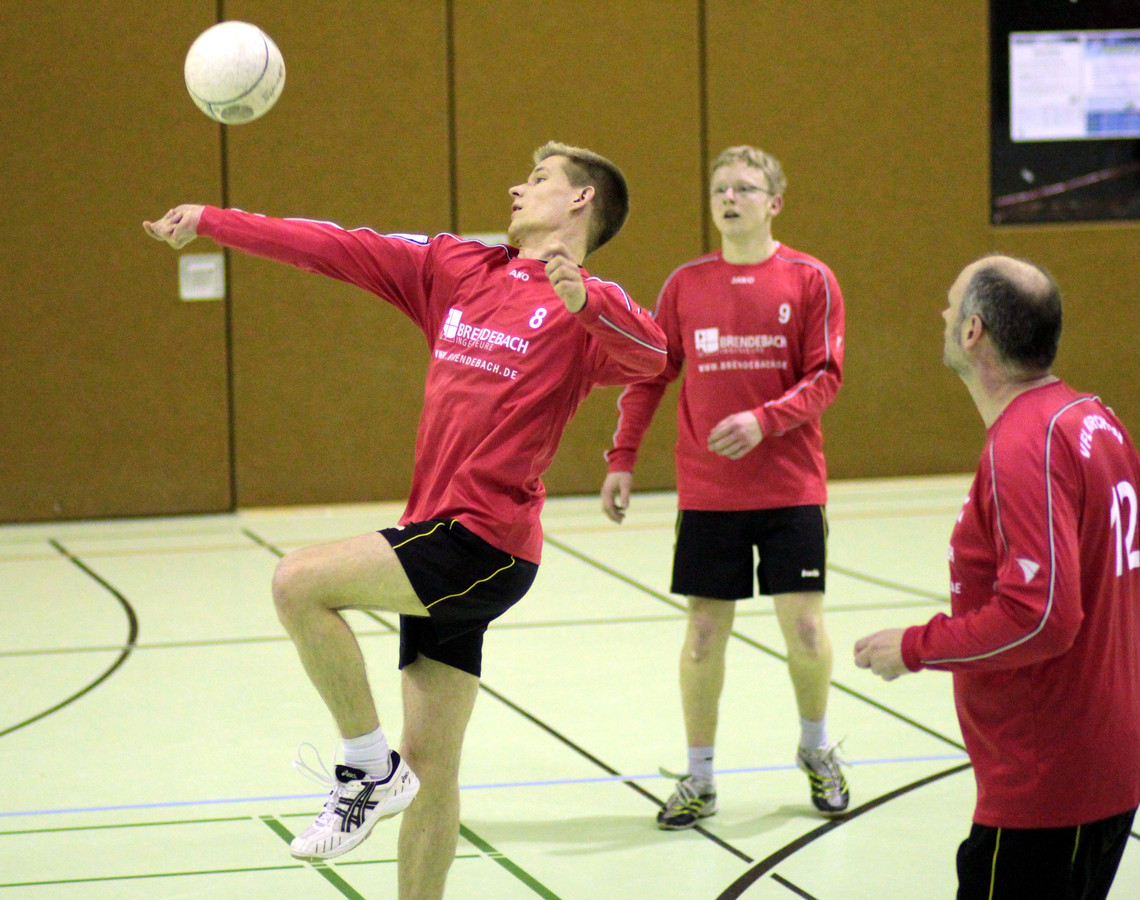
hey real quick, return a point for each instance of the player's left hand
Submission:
(566, 278)
(881, 652)
(735, 435)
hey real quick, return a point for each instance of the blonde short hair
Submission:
(757, 159)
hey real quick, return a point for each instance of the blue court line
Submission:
(173, 804)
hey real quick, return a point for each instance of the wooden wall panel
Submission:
(328, 379)
(114, 394)
(879, 114)
(606, 76)
(112, 391)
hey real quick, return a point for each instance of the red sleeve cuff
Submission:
(910, 648)
(208, 221)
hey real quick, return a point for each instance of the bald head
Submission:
(1019, 305)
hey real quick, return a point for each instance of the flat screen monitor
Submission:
(1065, 111)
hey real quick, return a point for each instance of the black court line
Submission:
(491, 852)
(279, 553)
(577, 748)
(798, 891)
(851, 692)
(665, 598)
(738, 887)
(606, 767)
(125, 650)
(766, 865)
(390, 628)
(632, 784)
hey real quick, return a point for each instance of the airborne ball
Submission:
(234, 72)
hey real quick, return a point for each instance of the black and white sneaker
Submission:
(829, 792)
(691, 800)
(356, 804)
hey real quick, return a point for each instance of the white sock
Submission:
(701, 763)
(813, 735)
(369, 752)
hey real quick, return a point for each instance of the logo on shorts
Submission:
(809, 573)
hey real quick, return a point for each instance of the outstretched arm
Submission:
(178, 227)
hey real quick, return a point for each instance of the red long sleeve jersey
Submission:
(766, 337)
(509, 364)
(1044, 636)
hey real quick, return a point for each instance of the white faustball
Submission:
(234, 72)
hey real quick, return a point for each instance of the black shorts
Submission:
(1077, 863)
(713, 556)
(463, 581)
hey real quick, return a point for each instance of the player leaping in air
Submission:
(469, 542)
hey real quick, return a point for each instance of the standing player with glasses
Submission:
(518, 336)
(760, 328)
(1044, 633)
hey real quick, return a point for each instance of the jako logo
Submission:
(743, 279)
(521, 276)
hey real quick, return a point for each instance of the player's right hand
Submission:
(615, 495)
(178, 227)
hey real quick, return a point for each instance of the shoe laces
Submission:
(323, 777)
(827, 758)
(685, 792)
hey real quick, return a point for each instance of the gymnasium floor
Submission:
(152, 706)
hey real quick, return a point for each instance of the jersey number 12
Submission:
(1124, 495)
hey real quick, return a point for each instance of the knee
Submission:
(289, 593)
(437, 771)
(809, 635)
(703, 640)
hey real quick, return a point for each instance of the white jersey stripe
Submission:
(826, 331)
(633, 338)
(1005, 546)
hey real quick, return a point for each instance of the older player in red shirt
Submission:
(518, 335)
(1042, 638)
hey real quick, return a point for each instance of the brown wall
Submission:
(417, 116)
(113, 394)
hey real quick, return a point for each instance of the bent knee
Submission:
(289, 592)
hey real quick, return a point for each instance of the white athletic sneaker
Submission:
(356, 804)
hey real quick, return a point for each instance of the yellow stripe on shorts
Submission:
(472, 587)
(435, 528)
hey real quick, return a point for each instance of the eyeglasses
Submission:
(740, 189)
